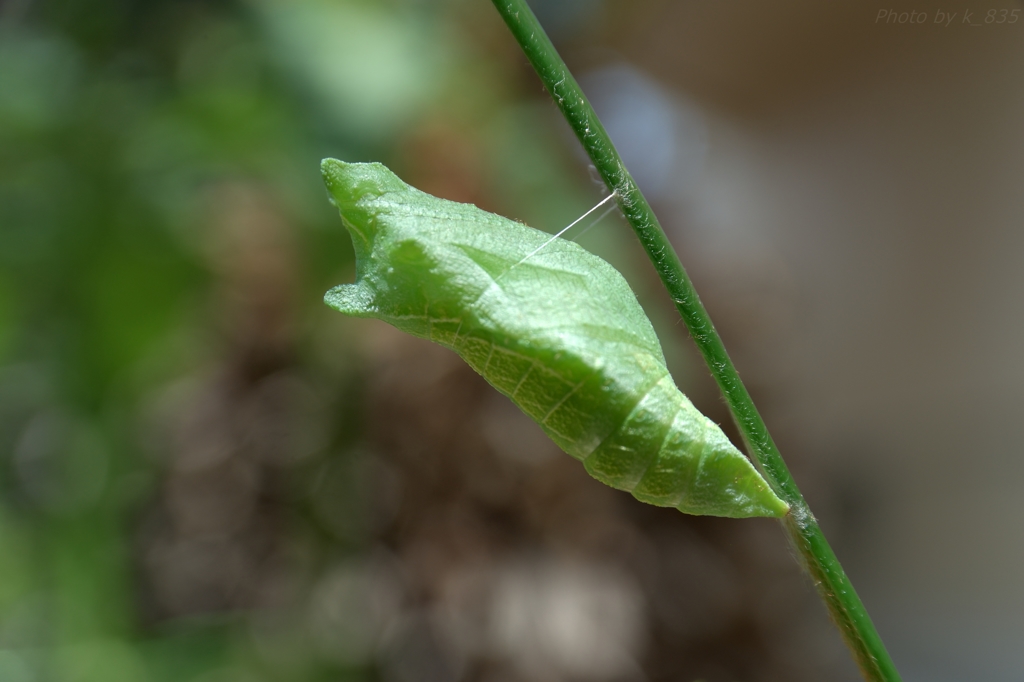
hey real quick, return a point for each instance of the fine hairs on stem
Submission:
(815, 554)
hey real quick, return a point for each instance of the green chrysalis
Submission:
(556, 329)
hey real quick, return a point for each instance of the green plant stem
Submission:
(834, 587)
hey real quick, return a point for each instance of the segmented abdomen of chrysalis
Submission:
(560, 333)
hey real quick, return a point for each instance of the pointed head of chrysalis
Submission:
(356, 188)
(352, 183)
(361, 192)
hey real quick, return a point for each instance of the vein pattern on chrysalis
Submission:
(548, 324)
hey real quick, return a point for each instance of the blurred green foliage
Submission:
(123, 127)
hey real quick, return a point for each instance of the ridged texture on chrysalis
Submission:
(561, 334)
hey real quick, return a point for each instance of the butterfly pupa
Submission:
(556, 329)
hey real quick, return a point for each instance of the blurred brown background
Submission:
(208, 476)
